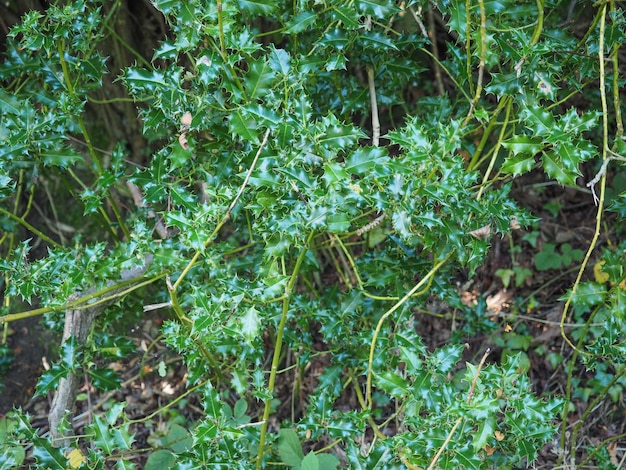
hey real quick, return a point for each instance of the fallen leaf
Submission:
(498, 301)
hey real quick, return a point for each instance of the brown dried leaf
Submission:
(186, 120)
(498, 301)
(482, 232)
(182, 140)
(469, 298)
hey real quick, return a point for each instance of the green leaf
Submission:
(244, 126)
(539, 120)
(46, 455)
(327, 461)
(338, 223)
(371, 161)
(348, 16)
(300, 22)
(50, 378)
(289, 448)
(261, 75)
(525, 145)
(105, 379)
(554, 168)
(446, 358)
(486, 427)
(518, 165)
(547, 258)
(310, 462)
(108, 436)
(377, 8)
(335, 173)
(280, 62)
(177, 438)
(140, 80)
(257, 7)
(250, 324)
(160, 459)
(63, 158)
(589, 294)
(393, 384)
(9, 104)
(377, 41)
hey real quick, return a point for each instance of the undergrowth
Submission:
(316, 173)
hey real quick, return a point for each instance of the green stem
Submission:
(21, 221)
(82, 302)
(278, 348)
(386, 315)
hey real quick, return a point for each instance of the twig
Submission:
(481, 63)
(396, 306)
(375, 120)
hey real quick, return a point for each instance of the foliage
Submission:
(287, 235)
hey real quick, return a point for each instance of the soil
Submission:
(31, 345)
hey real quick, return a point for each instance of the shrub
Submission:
(307, 187)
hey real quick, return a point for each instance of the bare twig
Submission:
(374, 104)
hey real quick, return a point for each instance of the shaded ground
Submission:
(31, 345)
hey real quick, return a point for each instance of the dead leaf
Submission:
(469, 298)
(498, 301)
(482, 232)
(186, 120)
(182, 140)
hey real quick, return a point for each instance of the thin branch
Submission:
(374, 104)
